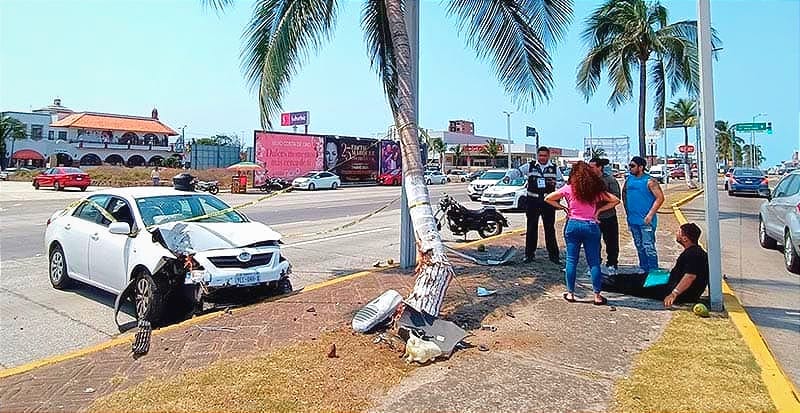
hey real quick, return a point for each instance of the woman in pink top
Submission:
(586, 197)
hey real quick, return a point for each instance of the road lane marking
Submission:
(350, 234)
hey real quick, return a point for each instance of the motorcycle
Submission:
(274, 184)
(211, 187)
(487, 221)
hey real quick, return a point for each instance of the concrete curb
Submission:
(128, 337)
(780, 388)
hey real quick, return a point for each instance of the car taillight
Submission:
(765, 181)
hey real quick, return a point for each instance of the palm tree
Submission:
(458, 153)
(492, 148)
(623, 34)
(596, 152)
(514, 35)
(751, 153)
(729, 146)
(438, 147)
(11, 130)
(683, 113)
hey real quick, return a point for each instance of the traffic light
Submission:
(769, 128)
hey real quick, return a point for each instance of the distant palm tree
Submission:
(729, 146)
(752, 155)
(596, 152)
(683, 113)
(492, 148)
(11, 130)
(626, 34)
(438, 147)
(514, 35)
(458, 153)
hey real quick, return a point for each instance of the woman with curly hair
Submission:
(586, 197)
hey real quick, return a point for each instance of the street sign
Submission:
(529, 131)
(294, 118)
(751, 127)
(686, 148)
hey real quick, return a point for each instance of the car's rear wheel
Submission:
(311, 186)
(58, 269)
(57, 186)
(791, 258)
(427, 182)
(763, 238)
(83, 189)
(148, 296)
(335, 185)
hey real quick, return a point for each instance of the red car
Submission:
(391, 178)
(62, 177)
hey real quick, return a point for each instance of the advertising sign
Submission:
(294, 118)
(287, 155)
(390, 157)
(353, 159)
(686, 148)
(476, 149)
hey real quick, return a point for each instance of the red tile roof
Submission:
(107, 121)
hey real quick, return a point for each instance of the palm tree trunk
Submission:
(434, 271)
(642, 105)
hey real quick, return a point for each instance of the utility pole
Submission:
(753, 142)
(711, 194)
(408, 248)
(508, 135)
(591, 143)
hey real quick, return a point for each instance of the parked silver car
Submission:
(779, 220)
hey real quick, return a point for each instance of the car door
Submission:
(780, 205)
(46, 177)
(75, 232)
(108, 253)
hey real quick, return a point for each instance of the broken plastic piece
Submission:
(376, 311)
(420, 350)
(482, 292)
(413, 322)
(141, 342)
(505, 258)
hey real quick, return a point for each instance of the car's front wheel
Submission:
(335, 185)
(791, 258)
(311, 186)
(427, 182)
(58, 269)
(36, 185)
(57, 186)
(149, 297)
(763, 238)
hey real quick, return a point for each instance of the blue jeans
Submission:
(586, 233)
(644, 238)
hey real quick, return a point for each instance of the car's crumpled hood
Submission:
(185, 238)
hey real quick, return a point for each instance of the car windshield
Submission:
(72, 170)
(514, 182)
(493, 175)
(170, 208)
(747, 172)
(310, 175)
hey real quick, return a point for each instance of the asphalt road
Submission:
(769, 293)
(38, 321)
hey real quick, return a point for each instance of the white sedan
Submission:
(134, 243)
(435, 177)
(506, 195)
(317, 179)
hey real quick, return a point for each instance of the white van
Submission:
(660, 173)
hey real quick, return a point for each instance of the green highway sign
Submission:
(750, 127)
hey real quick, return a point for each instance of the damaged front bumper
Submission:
(238, 268)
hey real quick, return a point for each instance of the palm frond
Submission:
(619, 75)
(514, 36)
(682, 63)
(591, 68)
(279, 36)
(658, 85)
(217, 5)
(380, 47)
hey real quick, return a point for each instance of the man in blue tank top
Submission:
(642, 196)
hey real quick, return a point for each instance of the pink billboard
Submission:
(286, 155)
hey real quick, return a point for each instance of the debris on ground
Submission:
(413, 322)
(311, 310)
(89, 390)
(483, 292)
(481, 248)
(376, 264)
(390, 261)
(483, 347)
(211, 328)
(489, 327)
(507, 256)
(420, 350)
(376, 311)
(332, 351)
(141, 341)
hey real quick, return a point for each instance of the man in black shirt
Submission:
(687, 280)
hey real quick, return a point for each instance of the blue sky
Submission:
(128, 56)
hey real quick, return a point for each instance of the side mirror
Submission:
(119, 228)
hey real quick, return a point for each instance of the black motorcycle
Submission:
(274, 184)
(487, 221)
(212, 187)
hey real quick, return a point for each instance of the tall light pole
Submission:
(711, 193)
(753, 142)
(591, 144)
(408, 250)
(508, 134)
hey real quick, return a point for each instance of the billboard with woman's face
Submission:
(353, 159)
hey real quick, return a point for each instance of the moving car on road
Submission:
(659, 172)
(747, 180)
(506, 195)
(779, 220)
(317, 179)
(474, 175)
(62, 177)
(435, 177)
(457, 175)
(489, 178)
(394, 177)
(165, 249)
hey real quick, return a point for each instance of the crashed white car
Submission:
(134, 243)
(506, 195)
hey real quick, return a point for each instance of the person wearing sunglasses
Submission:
(641, 197)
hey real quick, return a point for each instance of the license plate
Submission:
(245, 279)
(79, 179)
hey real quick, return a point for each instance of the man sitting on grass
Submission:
(687, 280)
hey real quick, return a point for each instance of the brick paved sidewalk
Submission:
(559, 335)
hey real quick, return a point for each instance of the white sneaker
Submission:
(376, 311)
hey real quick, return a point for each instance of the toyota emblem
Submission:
(244, 257)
